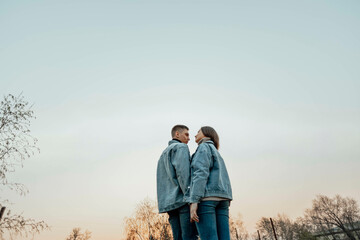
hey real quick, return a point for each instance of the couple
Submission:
(194, 189)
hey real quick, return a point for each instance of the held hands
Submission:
(193, 214)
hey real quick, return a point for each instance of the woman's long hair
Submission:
(211, 133)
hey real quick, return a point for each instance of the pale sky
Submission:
(278, 80)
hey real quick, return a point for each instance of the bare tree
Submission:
(302, 231)
(285, 228)
(329, 214)
(237, 228)
(264, 226)
(147, 223)
(16, 144)
(77, 235)
(16, 224)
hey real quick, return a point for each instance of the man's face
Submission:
(183, 136)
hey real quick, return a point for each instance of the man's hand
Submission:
(193, 214)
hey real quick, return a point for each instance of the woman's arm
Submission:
(200, 167)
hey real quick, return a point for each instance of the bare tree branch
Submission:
(16, 145)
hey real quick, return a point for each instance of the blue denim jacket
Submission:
(173, 176)
(209, 177)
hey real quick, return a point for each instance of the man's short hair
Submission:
(178, 128)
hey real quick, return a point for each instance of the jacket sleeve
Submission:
(181, 163)
(200, 167)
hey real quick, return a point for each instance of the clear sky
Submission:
(278, 80)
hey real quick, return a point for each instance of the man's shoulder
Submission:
(178, 146)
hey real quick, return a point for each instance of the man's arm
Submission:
(181, 162)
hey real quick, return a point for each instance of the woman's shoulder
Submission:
(205, 146)
(210, 144)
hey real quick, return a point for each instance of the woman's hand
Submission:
(193, 214)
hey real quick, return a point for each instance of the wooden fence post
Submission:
(2, 212)
(259, 234)
(272, 224)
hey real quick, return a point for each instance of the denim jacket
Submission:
(173, 176)
(209, 177)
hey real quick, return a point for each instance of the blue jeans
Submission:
(180, 224)
(213, 220)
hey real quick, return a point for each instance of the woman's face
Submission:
(199, 136)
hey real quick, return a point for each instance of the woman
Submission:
(210, 191)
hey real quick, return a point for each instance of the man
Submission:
(173, 183)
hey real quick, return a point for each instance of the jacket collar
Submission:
(174, 141)
(205, 139)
